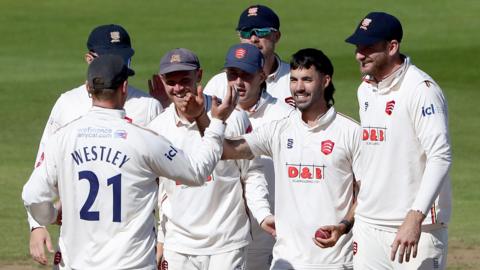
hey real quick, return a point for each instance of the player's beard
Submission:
(374, 66)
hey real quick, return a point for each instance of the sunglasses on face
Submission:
(259, 32)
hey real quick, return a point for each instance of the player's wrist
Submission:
(36, 227)
(417, 215)
(347, 225)
(202, 113)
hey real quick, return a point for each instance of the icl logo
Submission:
(428, 110)
(171, 153)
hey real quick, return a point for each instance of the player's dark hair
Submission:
(104, 94)
(305, 58)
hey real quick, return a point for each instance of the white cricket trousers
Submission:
(372, 247)
(234, 260)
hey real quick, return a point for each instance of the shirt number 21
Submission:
(115, 182)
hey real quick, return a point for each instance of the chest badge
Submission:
(327, 147)
(389, 107)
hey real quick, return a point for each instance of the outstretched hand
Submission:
(157, 90)
(222, 110)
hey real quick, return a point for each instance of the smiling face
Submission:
(248, 85)
(307, 87)
(179, 83)
(377, 59)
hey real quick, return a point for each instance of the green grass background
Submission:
(43, 43)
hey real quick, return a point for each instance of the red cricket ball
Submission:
(322, 234)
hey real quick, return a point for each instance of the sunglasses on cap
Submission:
(259, 32)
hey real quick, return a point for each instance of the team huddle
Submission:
(255, 171)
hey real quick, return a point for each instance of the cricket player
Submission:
(260, 26)
(315, 152)
(404, 202)
(261, 109)
(214, 234)
(105, 169)
(140, 109)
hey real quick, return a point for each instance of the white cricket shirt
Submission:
(211, 219)
(406, 152)
(105, 170)
(267, 110)
(314, 174)
(140, 107)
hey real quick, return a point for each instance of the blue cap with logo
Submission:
(375, 27)
(258, 16)
(110, 39)
(179, 59)
(244, 56)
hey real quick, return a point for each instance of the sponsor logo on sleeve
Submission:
(431, 110)
(171, 153)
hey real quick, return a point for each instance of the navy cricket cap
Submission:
(258, 16)
(110, 39)
(108, 71)
(179, 59)
(376, 26)
(244, 56)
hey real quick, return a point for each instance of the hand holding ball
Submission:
(323, 234)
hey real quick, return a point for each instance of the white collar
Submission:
(385, 85)
(272, 77)
(108, 112)
(322, 120)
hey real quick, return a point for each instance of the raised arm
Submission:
(193, 169)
